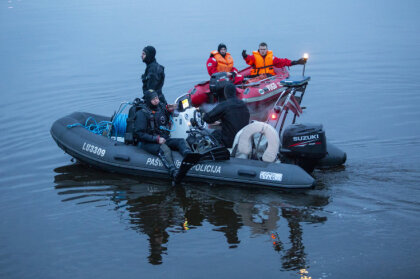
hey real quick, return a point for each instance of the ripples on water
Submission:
(160, 211)
(64, 220)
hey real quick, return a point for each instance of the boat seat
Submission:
(295, 81)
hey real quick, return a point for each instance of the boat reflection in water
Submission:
(159, 210)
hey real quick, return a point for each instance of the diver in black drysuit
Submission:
(154, 75)
(232, 112)
(151, 127)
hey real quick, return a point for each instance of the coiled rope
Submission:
(95, 127)
(116, 127)
(119, 125)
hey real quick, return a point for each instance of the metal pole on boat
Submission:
(305, 56)
(282, 109)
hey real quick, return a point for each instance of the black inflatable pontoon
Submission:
(114, 156)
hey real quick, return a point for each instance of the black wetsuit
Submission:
(154, 75)
(152, 123)
(233, 114)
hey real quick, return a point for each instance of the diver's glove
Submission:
(244, 55)
(300, 61)
(170, 107)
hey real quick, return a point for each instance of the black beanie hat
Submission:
(149, 95)
(221, 45)
(150, 54)
(230, 91)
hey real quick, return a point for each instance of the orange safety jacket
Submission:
(224, 64)
(263, 65)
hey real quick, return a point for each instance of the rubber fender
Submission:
(245, 136)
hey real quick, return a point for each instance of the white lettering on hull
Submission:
(271, 86)
(156, 162)
(93, 149)
(273, 176)
(207, 168)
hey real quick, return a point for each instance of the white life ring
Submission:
(244, 140)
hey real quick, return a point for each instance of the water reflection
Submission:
(158, 210)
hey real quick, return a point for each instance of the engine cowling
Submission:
(305, 140)
(304, 144)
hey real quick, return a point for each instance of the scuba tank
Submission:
(130, 137)
(157, 122)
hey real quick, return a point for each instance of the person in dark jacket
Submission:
(154, 75)
(151, 127)
(232, 112)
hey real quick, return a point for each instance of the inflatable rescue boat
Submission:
(259, 93)
(265, 154)
(109, 154)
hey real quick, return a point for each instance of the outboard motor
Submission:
(217, 83)
(304, 145)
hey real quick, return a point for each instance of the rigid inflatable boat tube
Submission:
(116, 157)
(246, 137)
(335, 157)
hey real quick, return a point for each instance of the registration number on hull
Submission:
(273, 176)
(93, 149)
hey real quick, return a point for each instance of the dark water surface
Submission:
(59, 219)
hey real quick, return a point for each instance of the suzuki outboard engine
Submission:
(304, 145)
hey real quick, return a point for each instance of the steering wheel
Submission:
(198, 119)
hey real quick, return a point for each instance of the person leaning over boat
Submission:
(221, 61)
(151, 127)
(232, 112)
(154, 75)
(263, 61)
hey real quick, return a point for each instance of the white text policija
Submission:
(199, 167)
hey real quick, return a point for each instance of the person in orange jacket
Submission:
(263, 61)
(221, 61)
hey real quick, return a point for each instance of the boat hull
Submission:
(108, 154)
(260, 96)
